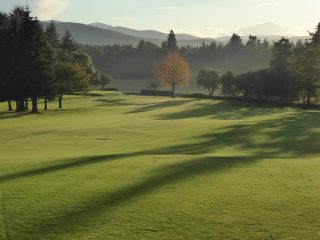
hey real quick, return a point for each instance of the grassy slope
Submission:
(125, 167)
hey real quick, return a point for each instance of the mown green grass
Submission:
(129, 167)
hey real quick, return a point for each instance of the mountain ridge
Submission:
(102, 34)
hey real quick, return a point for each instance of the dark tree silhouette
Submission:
(315, 37)
(283, 83)
(172, 42)
(228, 81)
(105, 80)
(235, 42)
(5, 89)
(208, 79)
(52, 35)
(68, 43)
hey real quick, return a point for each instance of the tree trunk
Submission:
(211, 92)
(60, 101)
(308, 99)
(45, 103)
(20, 106)
(173, 91)
(34, 105)
(17, 106)
(9, 106)
(27, 104)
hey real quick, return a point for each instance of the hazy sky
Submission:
(206, 18)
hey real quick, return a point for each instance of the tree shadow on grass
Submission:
(12, 115)
(67, 164)
(111, 102)
(294, 135)
(295, 139)
(221, 110)
(141, 106)
(160, 105)
(160, 178)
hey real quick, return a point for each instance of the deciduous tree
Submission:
(208, 79)
(306, 67)
(173, 71)
(105, 80)
(70, 78)
(228, 81)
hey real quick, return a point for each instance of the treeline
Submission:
(293, 75)
(130, 62)
(39, 64)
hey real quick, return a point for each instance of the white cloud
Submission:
(49, 9)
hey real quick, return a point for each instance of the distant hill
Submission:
(265, 29)
(101, 25)
(103, 34)
(144, 34)
(86, 34)
(262, 37)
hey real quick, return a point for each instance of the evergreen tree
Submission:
(164, 47)
(172, 42)
(265, 44)
(235, 42)
(15, 60)
(52, 35)
(4, 76)
(253, 42)
(68, 43)
(315, 37)
(283, 83)
(35, 60)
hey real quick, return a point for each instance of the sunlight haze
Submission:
(203, 18)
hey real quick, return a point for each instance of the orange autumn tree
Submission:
(173, 71)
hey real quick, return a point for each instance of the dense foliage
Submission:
(293, 74)
(38, 64)
(130, 62)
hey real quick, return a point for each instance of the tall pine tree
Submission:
(315, 37)
(172, 42)
(68, 43)
(35, 59)
(52, 35)
(17, 88)
(4, 76)
(282, 81)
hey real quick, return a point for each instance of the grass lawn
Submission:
(130, 167)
